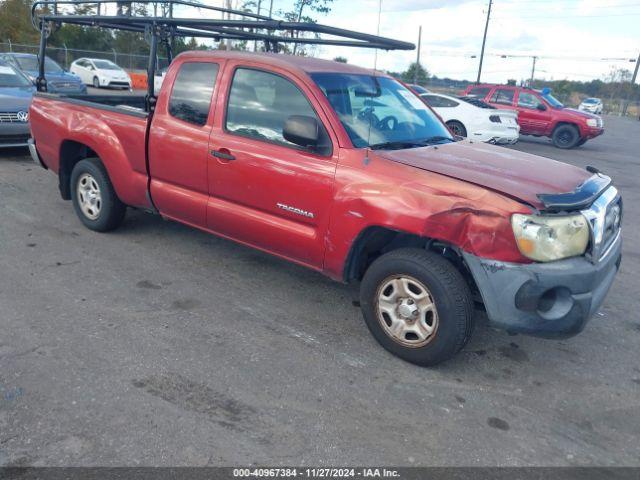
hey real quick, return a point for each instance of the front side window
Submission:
(503, 96)
(260, 103)
(528, 100)
(191, 94)
(379, 112)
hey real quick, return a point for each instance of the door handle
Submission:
(223, 154)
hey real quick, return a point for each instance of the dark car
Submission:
(15, 97)
(58, 80)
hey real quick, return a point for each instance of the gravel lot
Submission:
(162, 345)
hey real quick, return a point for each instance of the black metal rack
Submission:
(180, 21)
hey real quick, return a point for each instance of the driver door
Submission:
(265, 191)
(531, 119)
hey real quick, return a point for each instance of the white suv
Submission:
(592, 105)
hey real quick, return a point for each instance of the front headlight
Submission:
(548, 238)
(592, 122)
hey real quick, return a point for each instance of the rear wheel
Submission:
(417, 306)
(94, 198)
(565, 136)
(457, 128)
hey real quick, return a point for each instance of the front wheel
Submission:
(96, 82)
(94, 198)
(417, 306)
(565, 136)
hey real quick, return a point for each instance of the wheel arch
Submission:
(374, 241)
(455, 120)
(71, 152)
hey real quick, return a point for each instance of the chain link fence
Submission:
(64, 56)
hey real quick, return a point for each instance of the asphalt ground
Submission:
(161, 345)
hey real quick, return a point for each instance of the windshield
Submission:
(9, 77)
(551, 100)
(31, 64)
(590, 100)
(105, 65)
(380, 112)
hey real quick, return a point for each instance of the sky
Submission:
(452, 32)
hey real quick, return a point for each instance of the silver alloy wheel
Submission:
(89, 197)
(406, 311)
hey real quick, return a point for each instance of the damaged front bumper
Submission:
(554, 299)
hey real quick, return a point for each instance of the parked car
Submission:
(593, 105)
(158, 79)
(540, 114)
(100, 73)
(16, 91)
(58, 80)
(346, 171)
(468, 120)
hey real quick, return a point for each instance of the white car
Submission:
(474, 119)
(159, 79)
(100, 73)
(592, 105)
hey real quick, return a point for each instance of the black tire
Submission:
(581, 142)
(111, 211)
(96, 82)
(566, 136)
(448, 290)
(457, 128)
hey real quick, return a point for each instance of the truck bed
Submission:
(113, 127)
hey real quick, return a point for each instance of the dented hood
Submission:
(516, 174)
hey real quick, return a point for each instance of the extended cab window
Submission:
(528, 100)
(260, 103)
(503, 96)
(191, 95)
(479, 92)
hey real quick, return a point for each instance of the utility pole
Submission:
(633, 84)
(415, 72)
(270, 8)
(228, 45)
(484, 40)
(533, 71)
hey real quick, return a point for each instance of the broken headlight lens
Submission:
(548, 238)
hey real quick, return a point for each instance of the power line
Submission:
(517, 17)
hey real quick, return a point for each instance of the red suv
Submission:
(540, 114)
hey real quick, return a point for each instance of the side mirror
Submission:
(302, 130)
(541, 107)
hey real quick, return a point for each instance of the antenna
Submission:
(375, 69)
(375, 55)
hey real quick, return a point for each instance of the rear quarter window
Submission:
(479, 92)
(503, 96)
(190, 99)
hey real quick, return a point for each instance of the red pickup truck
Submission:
(347, 172)
(541, 114)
